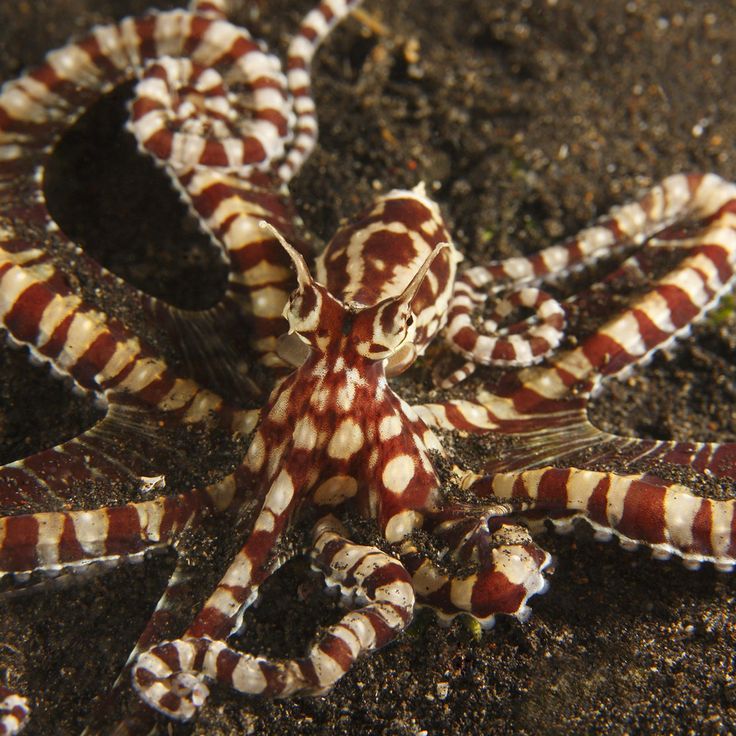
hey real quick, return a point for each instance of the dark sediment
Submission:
(526, 120)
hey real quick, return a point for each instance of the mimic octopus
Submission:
(333, 442)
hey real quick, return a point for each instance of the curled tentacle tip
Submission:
(176, 693)
(190, 687)
(179, 696)
(14, 711)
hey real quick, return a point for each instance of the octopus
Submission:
(298, 364)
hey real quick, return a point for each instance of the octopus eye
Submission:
(292, 307)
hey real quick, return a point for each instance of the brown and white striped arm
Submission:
(666, 517)
(170, 677)
(680, 198)
(522, 343)
(39, 310)
(509, 566)
(172, 611)
(211, 8)
(53, 541)
(559, 429)
(233, 162)
(707, 237)
(236, 140)
(692, 212)
(315, 27)
(717, 459)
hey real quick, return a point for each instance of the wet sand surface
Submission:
(526, 120)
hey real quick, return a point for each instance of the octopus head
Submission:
(326, 324)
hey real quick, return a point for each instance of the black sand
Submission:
(526, 119)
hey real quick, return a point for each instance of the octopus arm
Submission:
(54, 541)
(170, 677)
(667, 517)
(693, 213)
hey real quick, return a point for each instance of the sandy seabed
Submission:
(526, 120)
